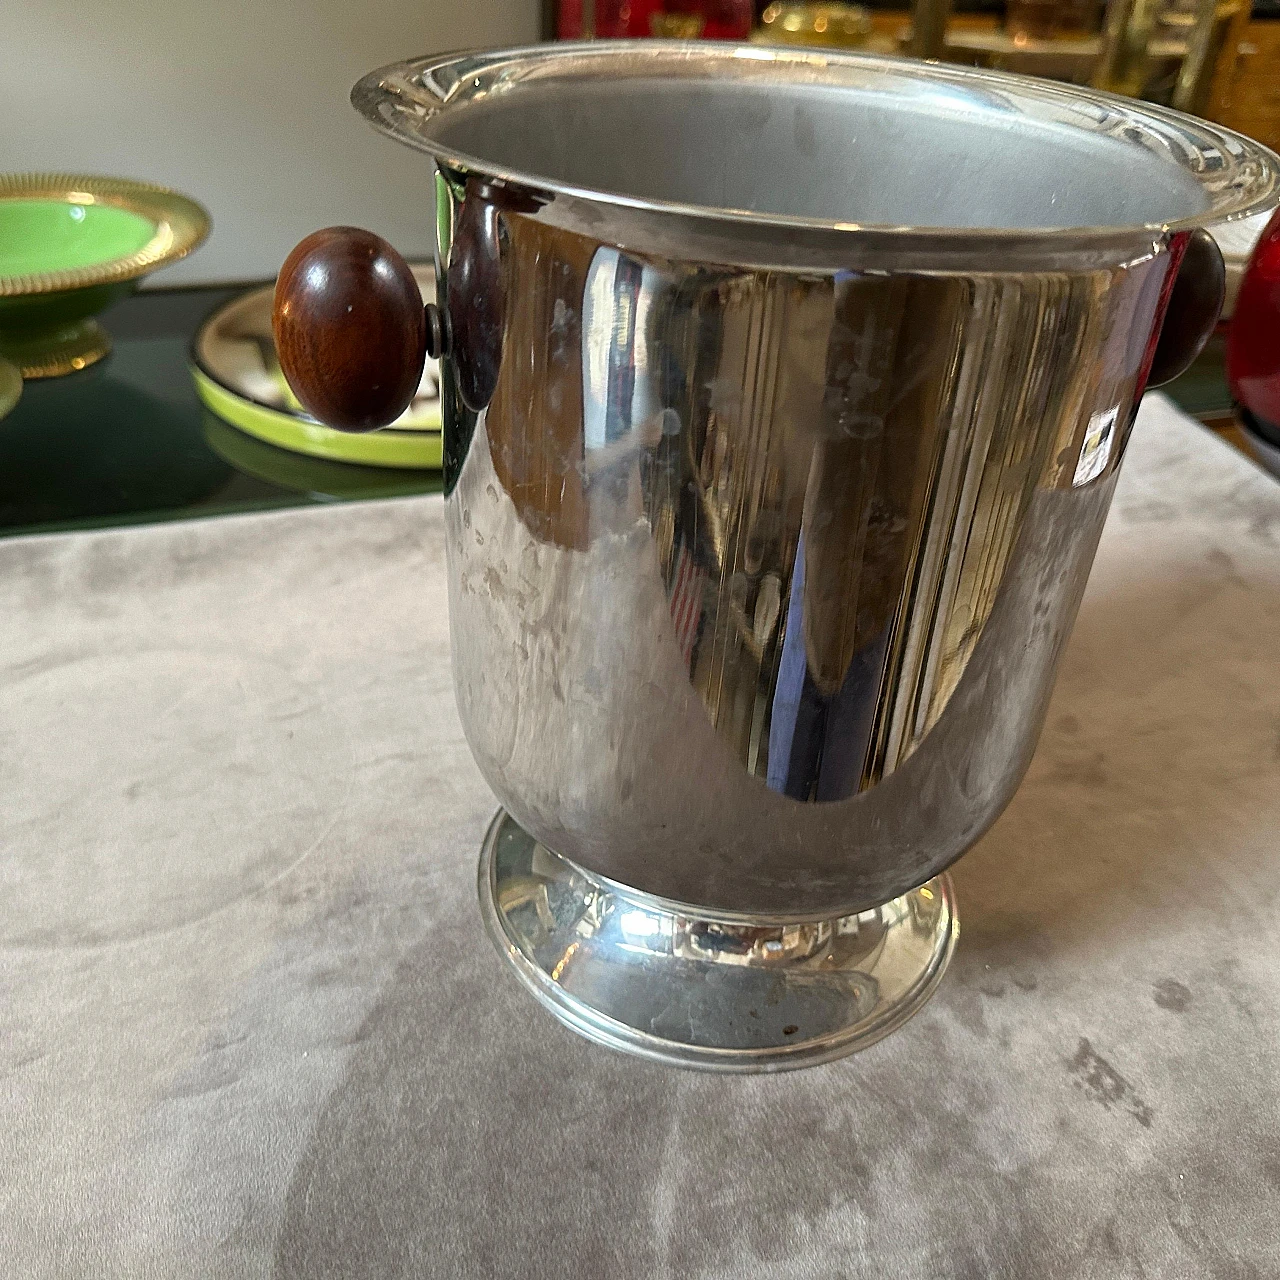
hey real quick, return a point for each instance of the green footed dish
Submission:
(10, 385)
(70, 246)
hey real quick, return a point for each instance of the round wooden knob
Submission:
(349, 328)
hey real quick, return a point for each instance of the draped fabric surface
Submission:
(250, 1024)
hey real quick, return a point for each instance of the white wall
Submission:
(241, 104)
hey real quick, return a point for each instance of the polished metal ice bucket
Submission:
(784, 394)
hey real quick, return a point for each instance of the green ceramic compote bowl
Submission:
(71, 245)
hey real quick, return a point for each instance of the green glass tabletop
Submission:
(127, 441)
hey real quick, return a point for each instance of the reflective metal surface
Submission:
(633, 974)
(763, 617)
(847, 153)
(766, 526)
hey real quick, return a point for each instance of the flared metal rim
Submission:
(402, 99)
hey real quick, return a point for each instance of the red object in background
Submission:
(722, 19)
(612, 18)
(1253, 341)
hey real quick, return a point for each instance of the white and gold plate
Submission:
(237, 376)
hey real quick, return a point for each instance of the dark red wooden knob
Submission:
(1253, 341)
(349, 328)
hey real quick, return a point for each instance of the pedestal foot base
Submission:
(638, 974)
(51, 353)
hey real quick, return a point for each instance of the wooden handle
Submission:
(349, 328)
(1195, 304)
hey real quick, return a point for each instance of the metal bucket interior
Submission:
(898, 153)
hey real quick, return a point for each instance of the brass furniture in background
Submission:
(843, 26)
(1141, 37)
(1225, 68)
(1245, 92)
(1147, 48)
(1211, 58)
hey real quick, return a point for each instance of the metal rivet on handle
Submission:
(437, 332)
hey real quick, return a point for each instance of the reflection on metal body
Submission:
(766, 542)
(759, 578)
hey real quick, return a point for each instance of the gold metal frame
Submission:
(181, 225)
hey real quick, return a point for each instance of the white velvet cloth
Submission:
(250, 1024)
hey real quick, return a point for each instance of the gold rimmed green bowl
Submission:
(70, 246)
